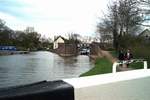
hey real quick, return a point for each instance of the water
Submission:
(39, 66)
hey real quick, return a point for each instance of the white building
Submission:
(58, 40)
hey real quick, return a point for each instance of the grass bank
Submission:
(138, 65)
(102, 65)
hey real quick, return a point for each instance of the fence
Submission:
(114, 69)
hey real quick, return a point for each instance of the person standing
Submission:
(128, 56)
(121, 55)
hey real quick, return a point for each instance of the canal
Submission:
(39, 66)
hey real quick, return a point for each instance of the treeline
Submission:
(23, 40)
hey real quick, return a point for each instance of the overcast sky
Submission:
(53, 17)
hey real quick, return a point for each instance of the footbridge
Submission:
(127, 85)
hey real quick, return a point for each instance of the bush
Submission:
(140, 47)
(142, 52)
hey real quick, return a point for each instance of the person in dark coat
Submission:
(121, 55)
(128, 55)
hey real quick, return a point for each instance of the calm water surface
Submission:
(39, 66)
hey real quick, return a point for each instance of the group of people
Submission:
(125, 55)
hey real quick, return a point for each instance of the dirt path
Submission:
(107, 55)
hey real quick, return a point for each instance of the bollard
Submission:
(115, 67)
(145, 64)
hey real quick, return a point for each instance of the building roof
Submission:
(60, 37)
(145, 32)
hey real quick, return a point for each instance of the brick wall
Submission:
(66, 49)
(94, 49)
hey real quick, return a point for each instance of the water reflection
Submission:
(38, 66)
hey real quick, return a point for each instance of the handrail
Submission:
(114, 69)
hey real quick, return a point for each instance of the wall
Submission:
(129, 85)
(65, 49)
(94, 49)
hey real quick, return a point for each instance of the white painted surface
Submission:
(145, 64)
(107, 78)
(114, 70)
(89, 88)
(56, 42)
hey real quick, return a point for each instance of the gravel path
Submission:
(108, 56)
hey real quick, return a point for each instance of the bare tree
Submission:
(123, 18)
(105, 30)
(29, 29)
(73, 38)
(145, 11)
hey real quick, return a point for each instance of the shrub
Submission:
(140, 47)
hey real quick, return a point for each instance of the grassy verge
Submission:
(138, 65)
(102, 65)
